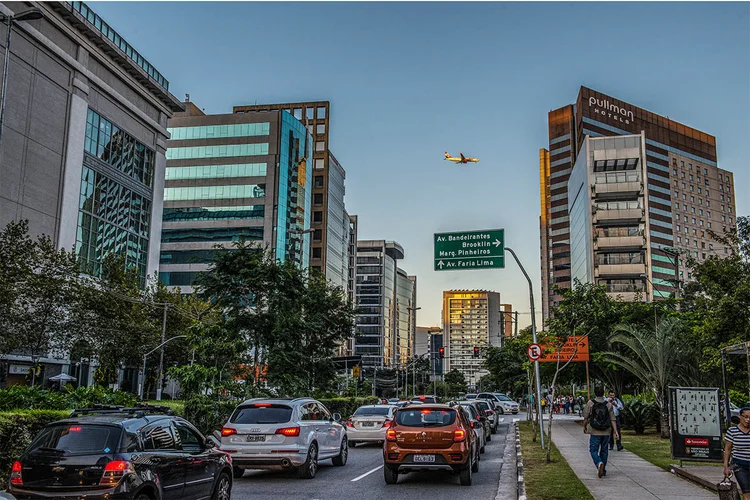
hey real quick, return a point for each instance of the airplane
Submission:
(463, 159)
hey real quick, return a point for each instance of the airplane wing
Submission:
(463, 158)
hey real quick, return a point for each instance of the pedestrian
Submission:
(598, 415)
(580, 402)
(565, 403)
(737, 446)
(617, 408)
(544, 403)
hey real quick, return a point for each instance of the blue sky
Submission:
(407, 81)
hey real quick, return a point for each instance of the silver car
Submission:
(284, 434)
(369, 423)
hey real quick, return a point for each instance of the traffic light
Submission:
(476, 352)
(442, 352)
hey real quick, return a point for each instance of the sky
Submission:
(408, 81)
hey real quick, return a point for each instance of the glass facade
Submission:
(218, 151)
(405, 299)
(337, 227)
(187, 256)
(214, 213)
(215, 192)
(211, 234)
(580, 221)
(217, 171)
(111, 218)
(180, 278)
(220, 131)
(114, 146)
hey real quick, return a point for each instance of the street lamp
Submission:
(414, 366)
(143, 379)
(27, 15)
(653, 287)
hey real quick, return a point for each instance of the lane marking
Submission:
(367, 473)
(516, 420)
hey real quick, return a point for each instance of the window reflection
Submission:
(220, 131)
(215, 192)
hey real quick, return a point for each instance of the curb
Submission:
(519, 465)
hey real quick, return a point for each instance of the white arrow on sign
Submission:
(496, 243)
(441, 264)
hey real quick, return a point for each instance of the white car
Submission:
(476, 424)
(284, 434)
(507, 404)
(369, 423)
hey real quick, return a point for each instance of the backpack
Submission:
(599, 416)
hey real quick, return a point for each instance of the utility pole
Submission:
(161, 354)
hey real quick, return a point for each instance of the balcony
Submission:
(605, 214)
(617, 190)
(624, 242)
(619, 270)
(626, 293)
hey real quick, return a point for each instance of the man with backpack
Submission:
(598, 420)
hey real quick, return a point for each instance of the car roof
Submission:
(126, 420)
(277, 400)
(376, 406)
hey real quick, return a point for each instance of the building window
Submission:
(318, 181)
(316, 252)
(318, 235)
(700, 211)
(319, 164)
(692, 199)
(691, 187)
(693, 220)
(699, 191)
(318, 216)
(690, 166)
(683, 185)
(691, 178)
(683, 175)
(321, 113)
(684, 196)
(706, 182)
(679, 239)
(320, 129)
(692, 209)
(682, 164)
(318, 198)
(320, 146)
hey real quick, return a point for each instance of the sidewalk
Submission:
(628, 475)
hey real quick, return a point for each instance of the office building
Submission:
(682, 186)
(423, 339)
(508, 319)
(233, 176)
(386, 300)
(436, 362)
(471, 318)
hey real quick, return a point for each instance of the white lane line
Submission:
(367, 473)
(502, 419)
(516, 420)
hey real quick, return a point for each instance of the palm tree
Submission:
(658, 357)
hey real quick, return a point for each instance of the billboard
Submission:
(695, 422)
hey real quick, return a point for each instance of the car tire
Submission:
(237, 472)
(489, 436)
(475, 465)
(390, 475)
(310, 467)
(481, 450)
(465, 474)
(493, 430)
(341, 458)
(223, 490)
(142, 496)
(353, 444)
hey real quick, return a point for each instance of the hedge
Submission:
(16, 397)
(17, 429)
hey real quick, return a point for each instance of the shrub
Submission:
(23, 397)
(638, 415)
(208, 413)
(17, 429)
(739, 398)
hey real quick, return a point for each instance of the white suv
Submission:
(284, 434)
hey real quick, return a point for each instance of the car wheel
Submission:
(142, 496)
(237, 471)
(489, 436)
(223, 489)
(475, 465)
(340, 460)
(353, 444)
(493, 430)
(481, 450)
(310, 467)
(465, 474)
(390, 475)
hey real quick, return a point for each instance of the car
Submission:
(477, 423)
(430, 437)
(470, 396)
(490, 413)
(393, 401)
(507, 404)
(424, 399)
(111, 452)
(284, 434)
(369, 423)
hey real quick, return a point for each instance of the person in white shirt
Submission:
(617, 407)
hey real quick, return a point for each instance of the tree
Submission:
(507, 364)
(17, 253)
(456, 382)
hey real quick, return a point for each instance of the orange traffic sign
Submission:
(575, 347)
(534, 352)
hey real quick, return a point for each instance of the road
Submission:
(362, 477)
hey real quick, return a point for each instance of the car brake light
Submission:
(349, 423)
(459, 435)
(387, 423)
(288, 431)
(76, 428)
(114, 471)
(262, 405)
(390, 434)
(15, 474)
(426, 412)
(422, 398)
(472, 425)
(228, 431)
(488, 412)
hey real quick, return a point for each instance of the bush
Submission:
(17, 429)
(23, 397)
(637, 415)
(208, 413)
(739, 398)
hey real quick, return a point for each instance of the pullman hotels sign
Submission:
(605, 108)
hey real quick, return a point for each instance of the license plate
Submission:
(368, 424)
(256, 438)
(424, 458)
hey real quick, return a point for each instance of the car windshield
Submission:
(504, 398)
(484, 404)
(371, 410)
(76, 439)
(425, 417)
(261, 414)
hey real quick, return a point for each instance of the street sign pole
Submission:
(533, 337)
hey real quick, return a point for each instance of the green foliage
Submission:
(23, 397)
(740, 398)
(194, 379)
(209, 413)
(347, 406)
(638, 415)
(83, 397)
(456, 383)
(508, 365)
(17, 429)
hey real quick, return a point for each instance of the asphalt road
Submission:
(362, 478)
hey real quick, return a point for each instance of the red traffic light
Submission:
(476, 352)
(442, 352)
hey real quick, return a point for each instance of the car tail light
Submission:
(15, 474)
(488, 412)
(114, 471)
(472, 425)
(75, 428)
(228, 431)
(459, 435)
(387, 423)
(288, 431)
(349, 423)
(426, 412)
(262, 405)
(390, 434)
(456, 457)
(393, 456)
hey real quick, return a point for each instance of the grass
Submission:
(547, 481)
(650, 447)
(177, 406)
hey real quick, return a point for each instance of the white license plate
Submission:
(368, 424)
(424, 458)
(256, 438)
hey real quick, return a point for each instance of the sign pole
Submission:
(533, 336)
(588, 381)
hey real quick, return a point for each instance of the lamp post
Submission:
(653, 302)
(27, 15)
(414, 367)
(143, 379)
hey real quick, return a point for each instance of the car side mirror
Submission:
(336, 417)
(212, 442)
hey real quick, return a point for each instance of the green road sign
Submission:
(470, 250)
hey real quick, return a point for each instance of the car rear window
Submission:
(484, 404)
(425, 417)
(261, 414)
(372, 411)
(77, 439)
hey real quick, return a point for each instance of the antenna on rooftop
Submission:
(187, 97)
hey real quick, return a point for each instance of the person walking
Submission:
(737, 447)
(617, 407)
(599, 416)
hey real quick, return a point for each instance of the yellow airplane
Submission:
(463, 159)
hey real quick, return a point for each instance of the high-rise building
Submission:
(422, 339)
(682, 186)
(507, 319)
(233, 176)
(436, 362)
(386, 299)
(471, 319)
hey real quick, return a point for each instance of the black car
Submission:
(122, 453)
